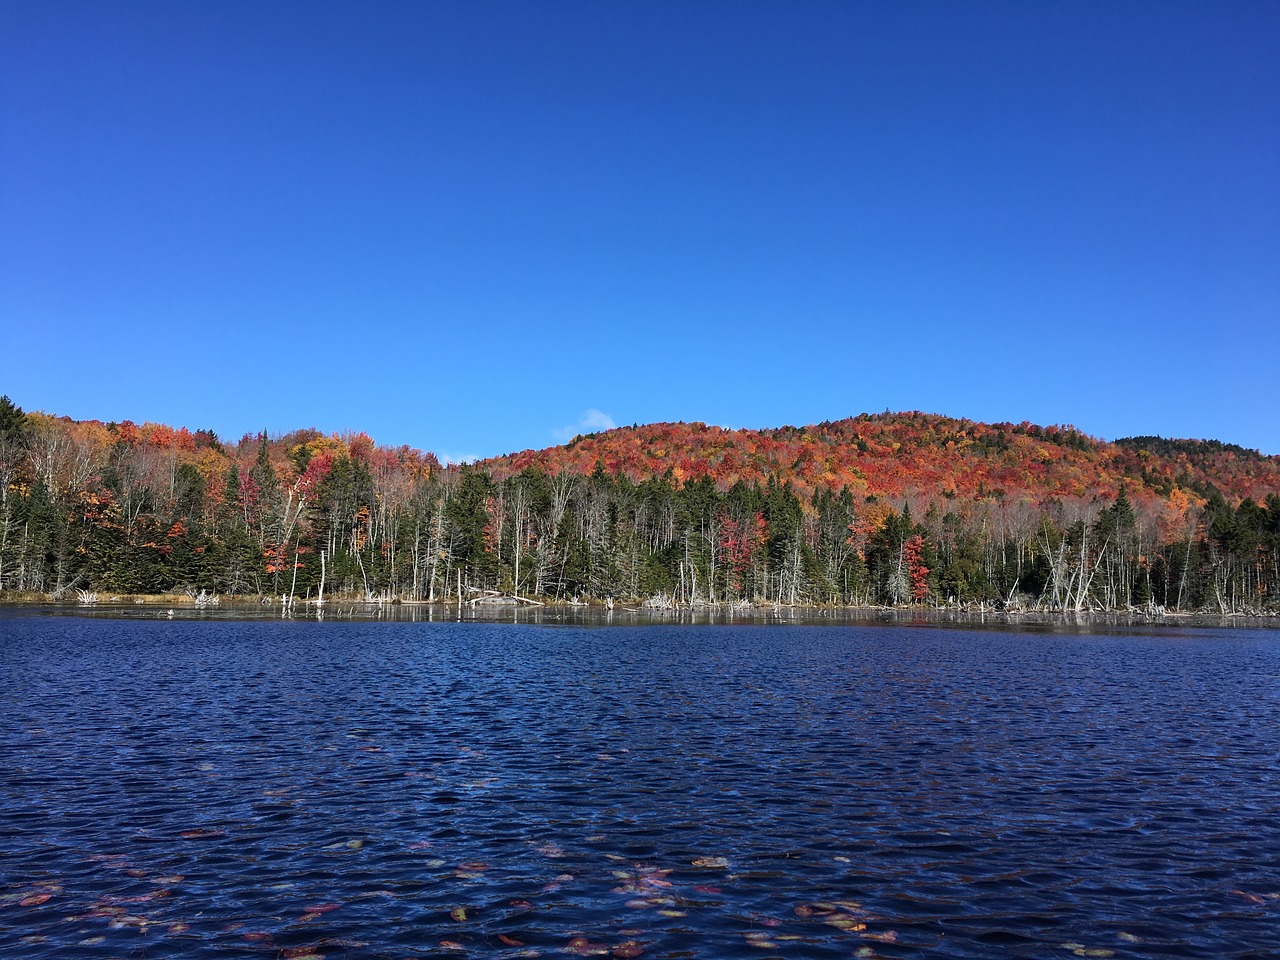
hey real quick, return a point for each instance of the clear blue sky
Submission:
(472, 226)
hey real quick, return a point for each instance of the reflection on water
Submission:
(621, 615)
(299, 790)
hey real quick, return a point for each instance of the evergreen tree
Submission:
(13, 444)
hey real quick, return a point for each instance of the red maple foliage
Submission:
(917, 572)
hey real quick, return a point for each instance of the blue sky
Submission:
(472, 227)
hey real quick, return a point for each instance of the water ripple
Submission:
(298, 790)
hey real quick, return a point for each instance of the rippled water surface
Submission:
(304, 790)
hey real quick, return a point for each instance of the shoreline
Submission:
(508, 609)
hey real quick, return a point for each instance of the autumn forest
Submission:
(886, 509)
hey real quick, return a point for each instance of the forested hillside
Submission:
(912, 455)
(881, 509)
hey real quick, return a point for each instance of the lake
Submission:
(303, 790)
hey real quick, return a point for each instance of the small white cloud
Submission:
(594, 420)
(453, 459)
(591, 421)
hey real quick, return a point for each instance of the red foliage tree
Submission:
(739, 542)
(917, 572)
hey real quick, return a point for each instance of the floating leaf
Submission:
(1251, 898)
(889, 936)
(35, 900)
(120, 923)
(628, 949)
(582, 947)
(711, 863)
(847, 924)
(641, 880)
(814, 910)
(101, 911)
(459, 914)
(510, 941)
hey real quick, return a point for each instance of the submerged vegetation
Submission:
(891, 509)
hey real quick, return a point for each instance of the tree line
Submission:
(128, 509)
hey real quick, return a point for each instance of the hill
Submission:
(906, 455)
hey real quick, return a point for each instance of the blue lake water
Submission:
(405, 790)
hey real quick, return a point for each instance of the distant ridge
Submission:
(898, 454)
(881, 455)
